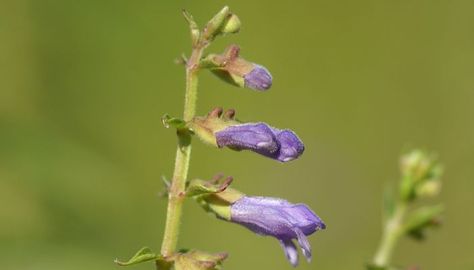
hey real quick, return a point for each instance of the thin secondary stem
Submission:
(391, 234)
(176, 194)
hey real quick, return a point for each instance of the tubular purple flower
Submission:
(282, 145)
(259, 78)
(238, 71)
(280, 219)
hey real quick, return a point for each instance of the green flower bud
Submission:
(231, 25)
(415, 164)
(428, 189)
(421, 175)
(224, 22)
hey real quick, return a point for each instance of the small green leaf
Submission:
(421, 219)
(181, 60)
(174, 122)
(193, 27)
(166, 187)
(143, 255)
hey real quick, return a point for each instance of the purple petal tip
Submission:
(282, 145)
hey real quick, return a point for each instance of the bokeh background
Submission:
(83, 85)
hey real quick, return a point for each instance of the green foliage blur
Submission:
(83, 85)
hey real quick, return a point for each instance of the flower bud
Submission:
(224, 22)
(238, 71)
(415, 164)
(280, 219)
(421, 175)
(428, 189)
(282, 145)
(231, 25)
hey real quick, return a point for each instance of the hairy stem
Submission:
(391, 234)
(176, 194)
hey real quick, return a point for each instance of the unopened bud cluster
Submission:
(420, 178)
(421, 175)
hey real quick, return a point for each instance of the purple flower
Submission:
(233, 69)
(282, 145)
(280, 219)
(259, 78)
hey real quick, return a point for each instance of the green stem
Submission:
(176, 194)
(391, 234)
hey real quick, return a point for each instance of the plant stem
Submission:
(176, 194)
(391, 234)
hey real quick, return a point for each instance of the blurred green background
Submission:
(83, 85)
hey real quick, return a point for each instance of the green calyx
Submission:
(183, 260)
(198, 260)
(228, 66)
(204, 127)
(229, 78)
(214, 196)
(216, 120)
